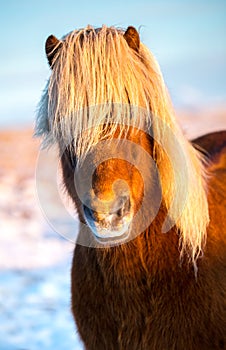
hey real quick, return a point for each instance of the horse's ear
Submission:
(132, 37)
(52, 46)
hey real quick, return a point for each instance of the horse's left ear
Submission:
(52, 46)
(132, 37)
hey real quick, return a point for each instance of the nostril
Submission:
(125, 207)
(119, 213)
(89, 213)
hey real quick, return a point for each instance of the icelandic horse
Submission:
(149, 267)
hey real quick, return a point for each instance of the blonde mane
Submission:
(93, 71)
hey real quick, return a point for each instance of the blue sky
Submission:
(187, 37)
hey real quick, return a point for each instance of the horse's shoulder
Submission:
(213, 146)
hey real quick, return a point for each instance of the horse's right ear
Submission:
(52, 46)
(132, 37)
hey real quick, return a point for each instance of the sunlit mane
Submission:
(94, 72)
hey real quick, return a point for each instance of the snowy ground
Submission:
(34, 279)
(34, 259)
(35, 309)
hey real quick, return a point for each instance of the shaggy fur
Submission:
(143, 294)
(94, 71)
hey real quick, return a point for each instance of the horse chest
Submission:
(141, 311)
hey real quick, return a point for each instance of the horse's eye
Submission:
(73, 161)
(70, 158)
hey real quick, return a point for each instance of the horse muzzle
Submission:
(109, 221)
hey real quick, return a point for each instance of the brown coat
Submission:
(139, 296)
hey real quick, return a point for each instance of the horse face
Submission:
(111, 203)
(108, 185)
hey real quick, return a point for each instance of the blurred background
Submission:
(188, 39)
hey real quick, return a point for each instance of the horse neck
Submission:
(152, 253)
